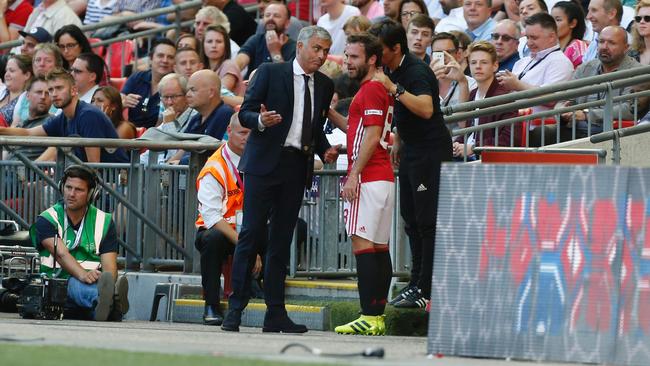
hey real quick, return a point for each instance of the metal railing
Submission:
(155, 206)
(605, 83)
(616, 136)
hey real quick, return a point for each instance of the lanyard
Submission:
(77, 234)
(233, 167)
(527, 69)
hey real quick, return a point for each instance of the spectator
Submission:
(356, 24)
(479, 23)
(16, 13)
(336, 15)
(455, 20)
(612, 48)
(88, 72)
(46, 58)
(175, 115)
(483, 64)
(371, 9)
(410, 8)
(242, 25)
(78, 119)
(207, 16)
(391, 11)
(571, 29)
(140, 90)
(188, 62)
(216, 48)
(505, 39)
(52, 15)
(463, 43)
(601, 14)
(97, 10)
(453, 85)
(295, 24)
(109, 101)
(39, 107)
(17, 76)
(188, 41)
(528, 8)
(203, 94)
(72, 42)
(641, 33)
(270, 46)
(546, 64)
(419, 34)
(32, 39)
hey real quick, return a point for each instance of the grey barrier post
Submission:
(151, 210)
(135, 197)
(329, 236)
(608, 110)
(60, 167)
(191, 208)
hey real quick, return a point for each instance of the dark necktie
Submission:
(305, 139)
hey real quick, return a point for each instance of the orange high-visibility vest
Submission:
(233, 197)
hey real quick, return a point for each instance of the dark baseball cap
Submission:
(39, 34)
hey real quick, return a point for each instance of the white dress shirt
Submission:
(455, 21)
(88, 96)
(545, 67)
(212, 201)
(294, 136)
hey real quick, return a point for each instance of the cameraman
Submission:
(86, 249)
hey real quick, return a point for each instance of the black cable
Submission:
(377, 352)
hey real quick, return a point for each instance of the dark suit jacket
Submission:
(272, 86)
(504, 131)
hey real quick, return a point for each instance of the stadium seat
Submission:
(99, 50)
(117, 83)
(113, 57)
(533, 122)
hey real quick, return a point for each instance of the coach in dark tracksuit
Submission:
(422, 142)
(285, 107)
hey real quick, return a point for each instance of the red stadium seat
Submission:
(117, 83)
(100, 50)
(114, 54)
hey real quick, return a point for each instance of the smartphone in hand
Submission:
(438, 58)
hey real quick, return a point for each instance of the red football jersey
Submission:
(371, 106)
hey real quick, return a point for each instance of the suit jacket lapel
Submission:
(318, 98)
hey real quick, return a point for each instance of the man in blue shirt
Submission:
(479, 23)
(203, 94)
(77, 119)
(140, 92)
(271, 46)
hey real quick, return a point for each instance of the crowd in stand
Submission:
(476, 48)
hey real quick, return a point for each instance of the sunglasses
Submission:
(645, 18)
(504, 37)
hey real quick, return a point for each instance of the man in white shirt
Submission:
(52, 15)
(528, 8)
(546, 64)
(220, 195)
(87, 71)
(336, 15)
(453, 19)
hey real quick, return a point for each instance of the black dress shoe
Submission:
(232, 321)
(281, 323)
(212, 315)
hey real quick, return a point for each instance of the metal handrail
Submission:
(496, 104)
(572, 84)
(106, 143)
(126, 19)
(550, 113)
(602, 153)
(622, 132)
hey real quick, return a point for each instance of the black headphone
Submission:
(86, 174)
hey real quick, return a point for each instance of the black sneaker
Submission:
(412, 299)
(400, 295)
(212, 315)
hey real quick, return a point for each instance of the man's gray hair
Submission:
(182, 81)
(307, 32)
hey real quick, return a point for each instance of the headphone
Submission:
(86, 174)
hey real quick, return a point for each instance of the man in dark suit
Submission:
(286, 121)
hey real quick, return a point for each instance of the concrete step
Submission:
(314, 317)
